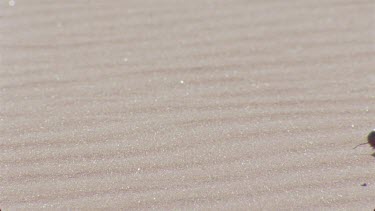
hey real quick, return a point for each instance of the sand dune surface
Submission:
(171, 104)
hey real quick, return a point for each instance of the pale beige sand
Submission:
(187, 104)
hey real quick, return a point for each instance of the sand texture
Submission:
(196, 105)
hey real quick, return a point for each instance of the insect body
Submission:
(370, 140)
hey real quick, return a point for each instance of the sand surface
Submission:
(246, 105)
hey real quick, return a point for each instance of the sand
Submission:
(230, 105)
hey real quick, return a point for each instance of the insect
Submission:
(370, 140)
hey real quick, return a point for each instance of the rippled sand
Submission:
(249, 105)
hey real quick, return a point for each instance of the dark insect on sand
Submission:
(370, 140)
